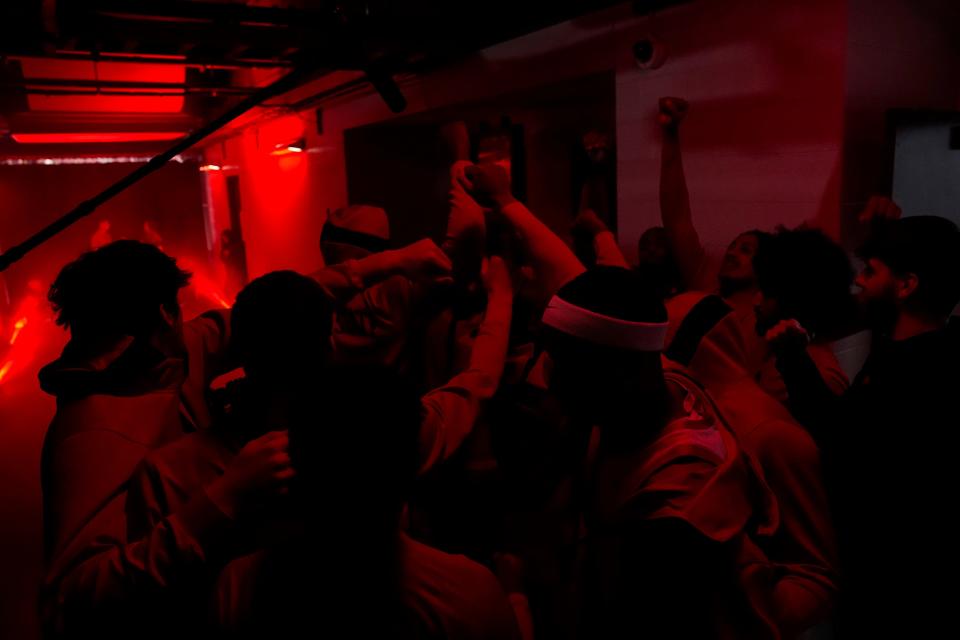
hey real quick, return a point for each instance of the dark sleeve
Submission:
(669, 577)
(811, 401)
(805, 585)
(97, 572)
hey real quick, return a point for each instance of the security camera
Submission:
(649, 53)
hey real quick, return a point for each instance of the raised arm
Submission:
(605, 245)
(551, 258)
(674, 197)
(422, 260)
(450, 412)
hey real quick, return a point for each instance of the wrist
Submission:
(671, 132)
(503, 199)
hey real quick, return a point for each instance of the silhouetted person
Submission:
(889, 441)
(667, 496)
(801, 575)
(132, 378)
(281, 326)
(351, 571)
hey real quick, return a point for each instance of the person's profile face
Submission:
(737, 262)
(877, 295)
(876, 282)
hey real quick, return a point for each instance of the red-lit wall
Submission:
(282, 197)
(764, 140)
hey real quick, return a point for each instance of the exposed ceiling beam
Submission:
(192, 60)
(123, 84)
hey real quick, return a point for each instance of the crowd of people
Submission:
(492, 437)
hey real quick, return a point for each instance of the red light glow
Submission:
(204, 286)
(210, 167)
(281, 133)
(19, 351)
(17, 328)
(88, 138)
(285, 151)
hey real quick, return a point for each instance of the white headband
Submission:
(600, 329)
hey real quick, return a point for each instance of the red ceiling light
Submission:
(286, 148)
(106, 71)
(210, 167)
(283, 135)
(96, 137)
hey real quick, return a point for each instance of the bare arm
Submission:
(450, 412)
(421, 260)
(674, 198)
(551, 258)
(604, 242)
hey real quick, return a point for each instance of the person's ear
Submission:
(906, 285)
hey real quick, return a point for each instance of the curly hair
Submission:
(116, 290)
(810, 277)
(280, 326)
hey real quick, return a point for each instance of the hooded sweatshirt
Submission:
(705, 337)
(111, 410)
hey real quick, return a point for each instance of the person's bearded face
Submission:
(878, 293)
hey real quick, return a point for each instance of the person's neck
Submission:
(909, 325)
(741, 297)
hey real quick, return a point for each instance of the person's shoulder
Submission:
(457, 594)
(679, 305)
(146, 420)
(428, 563)
(763, 426)
(187, 454)
(781, 440)
(694, 472)
(829, 367)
